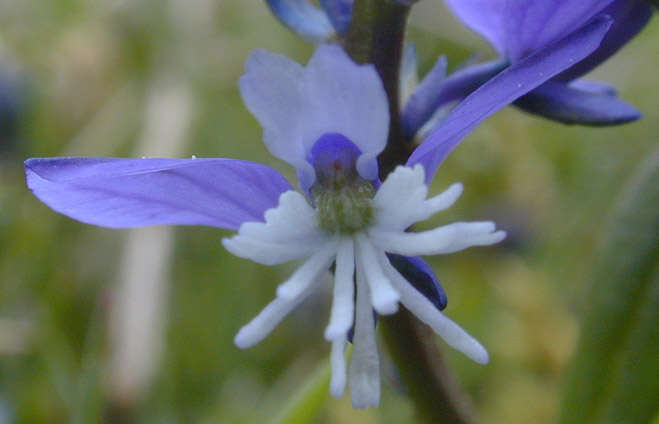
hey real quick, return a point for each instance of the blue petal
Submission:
(123, 193)
(424, 93)
(567, 104)
(595, 87)
(630, 16)
(339, 13)
(503, 89)
(521, 27)
(303, 18)
(297, 105)
(436, 91)
(418, 273)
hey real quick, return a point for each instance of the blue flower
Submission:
(522, 28)
(330, 121)
(310, 22)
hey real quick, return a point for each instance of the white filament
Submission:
(309, 271)
(270, 253)
(423, 309)
(383, 297)
(446, 239)
(444, 200)
(364, 374)
(261, 325)
(289, 232)
(402, 198)
(338, 366)
(343, 304)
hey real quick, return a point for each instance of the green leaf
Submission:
(305, 405)
(635, 398)
(614, 376)
(88, 404)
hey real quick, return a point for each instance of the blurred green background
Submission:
(99, 325)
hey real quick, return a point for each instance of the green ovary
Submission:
(344, 208)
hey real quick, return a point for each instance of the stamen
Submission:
(448, 330)
(263, 324)
(289, 232)
(338, 365)
(271, 253)
(446, 239)
(444, 200)
(364, 377)
(476, 240)
(308, 272)
(341, 317)
(383, 297)
(402, 199)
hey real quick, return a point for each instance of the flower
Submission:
(330, 121)
(520, 28)
(340, 126)
(515, 81)
(358, 246)
(516, 30)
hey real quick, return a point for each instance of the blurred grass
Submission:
(614, 364)
(87, 66)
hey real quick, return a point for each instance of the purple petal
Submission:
(297, 105)
(567, 104)
(339, 13)
(484, 17)
(596, 87)
(123, 193)
(518, 28)
(506, 87)
(435, 91)
(630, 16)
(303, 18)
(348, 99)
(416, 109)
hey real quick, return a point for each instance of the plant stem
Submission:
(376, 36)
(431, 385)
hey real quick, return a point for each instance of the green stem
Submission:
(376, 36)
(306, 405)
(431, 385)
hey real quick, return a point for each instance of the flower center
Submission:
(342, 196)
